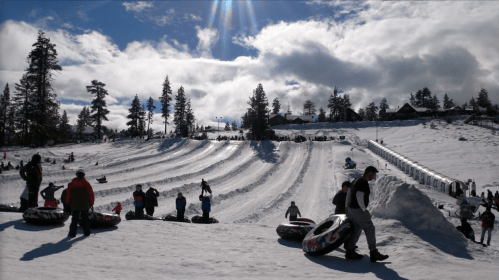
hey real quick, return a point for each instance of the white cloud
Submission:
(207, 38)
(139, 6)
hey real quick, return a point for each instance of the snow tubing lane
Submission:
(8, 208)
(199, 220)
(99, 220)
(172, 218)
(327, 235)
(131, 216)
(45, 216)
(295, 230)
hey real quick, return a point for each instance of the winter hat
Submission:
(371, 169)
(138, 186)
(36, 158)
(80, 173)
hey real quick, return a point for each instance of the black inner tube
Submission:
(325, 226)
(300, 223)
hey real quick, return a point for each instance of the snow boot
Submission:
(377, 256)
(353, 256)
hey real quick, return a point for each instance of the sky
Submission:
(253, 184)
(219, 51)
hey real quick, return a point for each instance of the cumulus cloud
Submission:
(138, 6)
(383, 50)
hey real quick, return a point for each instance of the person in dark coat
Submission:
(151, 200)
(48, 195)
(139, 200)
(180, 204)
(466, 229)
(341, 197)
(32, 174)
(205, 187)
(487, 224)
(490, 197)
(206, 207)
(356, 209)
(293, 212)
(80, 196)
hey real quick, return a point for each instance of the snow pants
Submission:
(361, 222)
(293, 218)
(489, 231)
(150, 211)
(33, 196)
(139, 212)
(206, 217)
(74, 222)
(180, 215)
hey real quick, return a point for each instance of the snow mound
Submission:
(391, 198)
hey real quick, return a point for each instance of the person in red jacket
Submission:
(117, 209)
(487, 224)
(80, 196)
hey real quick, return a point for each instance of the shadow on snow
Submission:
(265, 150)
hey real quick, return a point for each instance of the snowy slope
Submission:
(253, 184)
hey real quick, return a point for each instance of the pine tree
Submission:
(142, 121)
(227, 126)
(362, 113)
(64, 128)
(334, 105)
(5, 105)
(87, 117)
(190, 119)
(383, 105)
(234, 125)
(322, 116)
(180, 112)
(258, 113)
(98, 105)
(24, 108)
(448, 103)
(309, 108)
(412, 100)
(371, 111)
(434, 103)
(483, 99)
(245, 121)
(42, 62)
(473, 104)
(166, 98)
(276, 106)
(81, 123)
(134, 116)
(150, 114)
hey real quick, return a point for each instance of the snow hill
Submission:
(253, 184)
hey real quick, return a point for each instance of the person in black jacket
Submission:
(139, 200)
(180, 204)
(32, 174)
(356, 209)
(151, 200)
(341, 197)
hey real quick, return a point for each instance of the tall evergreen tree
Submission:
(483, 99)
(180, 112)
(309, 108)
(258, 113)
(150, 114)
(5, 104)
(412, 100)
(473, 104)
(24, 108)
(322, 116)
(334, 105)
(234, 125)
(42, 63)
(142, 121)
(190, 119)
(362, 113)
(423, 98)
(448, 103)
(98, 105)
(81, 123)
(245, 121)
(134, 116)
(371, 111)
(87, 116)
(434, 103)
(345, 105)
(166, 98)
(64, 128)
(276, 106)
(383, 105)
(227, 126)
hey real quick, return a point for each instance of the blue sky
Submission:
(219, 51)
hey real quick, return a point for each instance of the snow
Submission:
(253, 184)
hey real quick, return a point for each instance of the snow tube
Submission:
(327, 235)
(295, 230)
(102, 180)
(199, 220)
(130, 215)
(103, 220)
(45, 216)
(305, 220)
(9, 208)
(172, 218)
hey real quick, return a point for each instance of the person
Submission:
(180, 204)
(293, 212)
(24, 199)
(32, 174)
(80, 196)
(206, 207)
(66, 206)
(496, 200)
(48, 195)
(151, 200)
(356, 209)
(487, 224)
(473, 193)
(466, 230)
(482, 196)
(205, 187)
(139, 200)
(118, 208)
(341, 197)
(490, 197)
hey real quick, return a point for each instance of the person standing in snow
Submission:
(356, 209)
(466, 229)
(180, 204)
(293, 212)
(340, 198)
(139, 200)
(490, 197)
(32, 174)
(482, 196)
(206, 207)
(48, 195)
(118, 208)
(487, 224)
(205, 187)
(496, 200)
(151, 200)
(80, 196)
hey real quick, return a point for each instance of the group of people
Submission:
(148, 201)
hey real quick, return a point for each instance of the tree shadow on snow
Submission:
(51, 248)
(10, 223)
(265, 150)
(289, 243)
(168, 143)
(356, 266)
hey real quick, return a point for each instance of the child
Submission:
(48, 195)
(205, 187)
(117, 209)
(293, 212)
